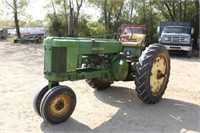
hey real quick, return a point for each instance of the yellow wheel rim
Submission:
(60, 105)
(159, 72)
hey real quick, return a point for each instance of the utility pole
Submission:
(71, 20)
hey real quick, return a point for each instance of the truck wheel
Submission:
(152, 73)
(189, 54)
(38, 97)
(58, 104)
(98, 84)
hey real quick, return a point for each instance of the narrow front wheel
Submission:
(58, 104)
(38, 97)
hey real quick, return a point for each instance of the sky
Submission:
(37, 11)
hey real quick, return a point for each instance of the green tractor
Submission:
(100, 62)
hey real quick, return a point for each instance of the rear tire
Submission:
(98, 84)
(152, 74)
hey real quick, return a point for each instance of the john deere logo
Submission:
(97, 48)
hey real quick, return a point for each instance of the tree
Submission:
(117, 12)
(111, 11)
(59, 13)
(16, 6)
(79, 4)
(57, 17)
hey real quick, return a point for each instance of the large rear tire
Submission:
(152, 73)
(98, 84)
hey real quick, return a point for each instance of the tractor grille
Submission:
(58, 60)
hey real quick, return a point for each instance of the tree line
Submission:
(113, 13)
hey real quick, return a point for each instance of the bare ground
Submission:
(116, 109)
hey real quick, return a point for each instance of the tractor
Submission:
(100, 62)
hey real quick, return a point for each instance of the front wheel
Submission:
(38, 97)
(152, 73)
(58, 104)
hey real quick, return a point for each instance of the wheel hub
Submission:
(60, 105)
(158, 74)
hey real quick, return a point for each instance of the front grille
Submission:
(58, 59)
(179, 39)
(175, 39)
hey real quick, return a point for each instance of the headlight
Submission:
(186, 39)
(128, 53)
(124, 39)
(166, 38)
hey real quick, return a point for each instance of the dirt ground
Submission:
(116, 109)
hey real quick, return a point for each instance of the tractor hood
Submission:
(138, 36)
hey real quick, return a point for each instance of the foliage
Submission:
(114, 13)
(6, 24)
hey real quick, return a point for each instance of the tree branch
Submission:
(166, 4)
(10, 5)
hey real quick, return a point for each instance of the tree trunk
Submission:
(144, 11)
(16, 19)
(196, 24)
(105, 14)
(66, 16)
(174, 9)
(130, 19)
(109, 20)
(76, 17)
(180, 14)
(119, 13)
(71, 19)
(169, 10)
(185, 10)
(55, 21)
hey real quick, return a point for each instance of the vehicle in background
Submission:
(30, 32)
(133, 37)
(33, 32)
(176, 36)
(3, 34)
(135, 34)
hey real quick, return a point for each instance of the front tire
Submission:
(58, 104)
(152, 73)
(38, 97)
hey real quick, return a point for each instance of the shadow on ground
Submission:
(182, 55)
(134, 116)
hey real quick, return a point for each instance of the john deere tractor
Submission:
(100, 62)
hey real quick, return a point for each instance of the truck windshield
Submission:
(174, 30)
(133, 30)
